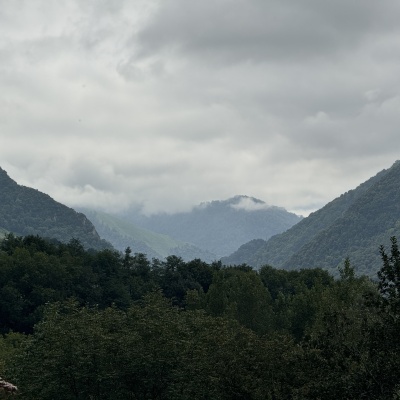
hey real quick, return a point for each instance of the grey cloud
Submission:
(169, 103)
(259, 30)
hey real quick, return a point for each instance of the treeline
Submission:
(81, 324)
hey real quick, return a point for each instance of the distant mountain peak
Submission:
(238, 202)
(247, 203)
(244, 203)
(221, 226)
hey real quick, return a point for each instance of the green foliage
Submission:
(296, 296)
(241, 295)
(384, 341)
(10, 346)
(152, 351)
(111, 325)
(34, 272)
(389, 277)
(350, 351)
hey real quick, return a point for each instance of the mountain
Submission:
(353, 225)
(245, 252)
(121, 234)
(26, 211)
(220, 227)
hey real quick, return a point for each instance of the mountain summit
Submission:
(221, 226)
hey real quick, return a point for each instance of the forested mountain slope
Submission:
(245, 253)
(26, 211)
(368, 223)
(354, 225)
(220, 227)
(122, 233)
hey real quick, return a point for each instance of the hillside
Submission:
(121, 234)
(26, 211)
(354, 225)
(245, 252)
(220, 227)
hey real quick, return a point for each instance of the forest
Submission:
(86, 324)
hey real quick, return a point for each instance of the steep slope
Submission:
(220, 227)
(121, 234)
(353, 225)
(26, 211)
(244, 253)
(279, 248)
(369, 222)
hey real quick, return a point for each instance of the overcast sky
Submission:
(169, 103)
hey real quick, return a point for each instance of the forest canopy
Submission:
(80, 324)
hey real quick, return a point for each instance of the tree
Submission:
(352, 350)
(151, 351)
(389, 277)
(242, 296)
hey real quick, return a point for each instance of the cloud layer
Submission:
(166, 104)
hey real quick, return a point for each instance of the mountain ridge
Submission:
(220, 226)
(122, 233)
(328, 229)
(27, 211)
